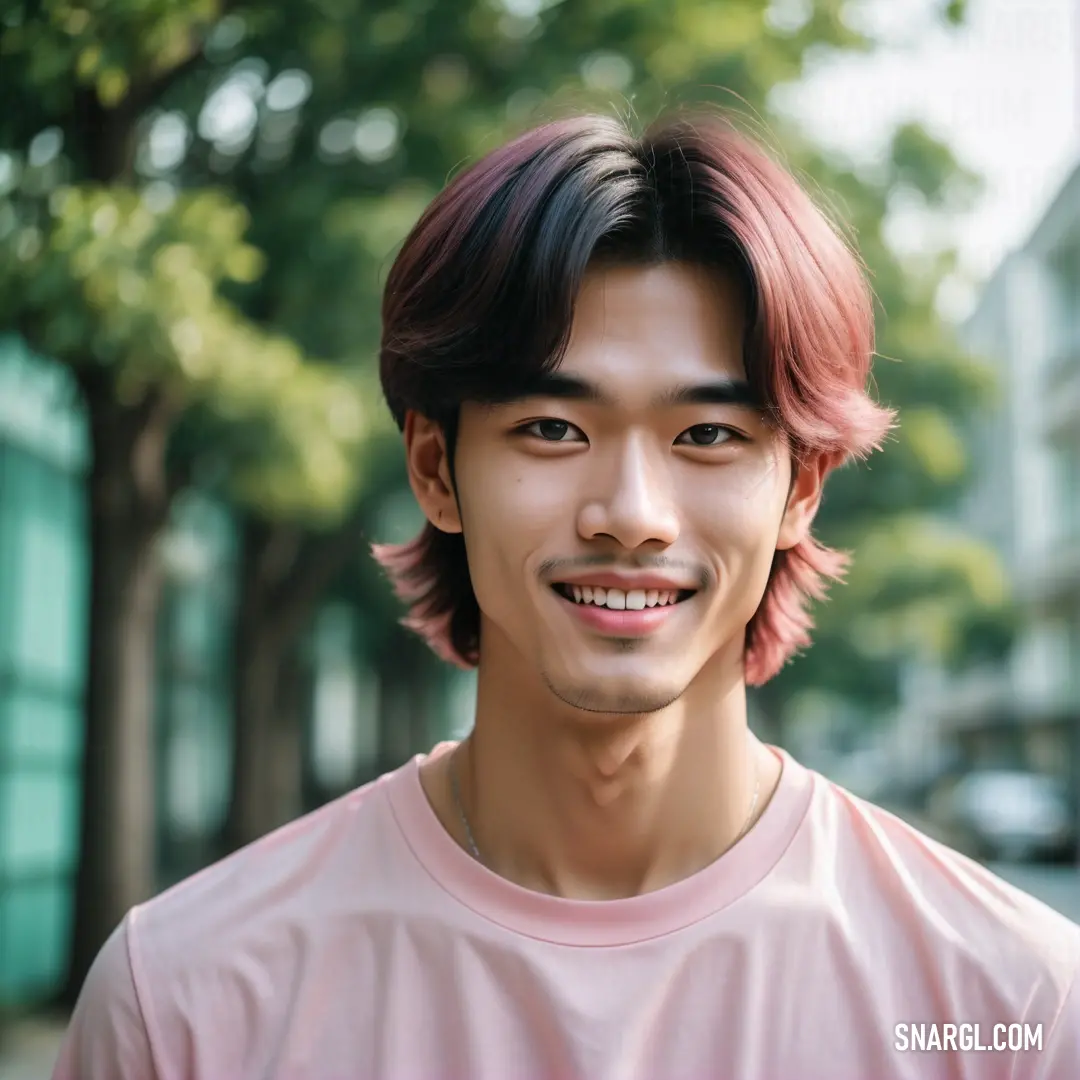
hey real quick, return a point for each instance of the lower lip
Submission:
(621, 623)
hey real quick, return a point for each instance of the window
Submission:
(43, 601)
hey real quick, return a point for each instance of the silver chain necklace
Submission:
(455, 791)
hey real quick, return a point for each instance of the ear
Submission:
(428, 465)
(807, 485)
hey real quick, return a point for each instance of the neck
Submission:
(602, 806)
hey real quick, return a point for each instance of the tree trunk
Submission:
(404, 700)
(257, 653)
(251, 812)
(130, 496)
(284, 572)
(129, 500)
(268, 759)
(287, 740)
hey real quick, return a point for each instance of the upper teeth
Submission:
(619, 600)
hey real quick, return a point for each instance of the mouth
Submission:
(622, 614)
(619, 599)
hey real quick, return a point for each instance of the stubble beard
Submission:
(594, 699)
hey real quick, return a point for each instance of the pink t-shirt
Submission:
(361, 942)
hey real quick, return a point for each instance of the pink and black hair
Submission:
(481, 297)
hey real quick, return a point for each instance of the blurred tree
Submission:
(196, 199)
(123, 282)
(919, 589)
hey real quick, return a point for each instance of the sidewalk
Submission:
(29, 1048)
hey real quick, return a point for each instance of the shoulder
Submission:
(981, 935)
(207, 953)
(107, 1035)
(292, 877)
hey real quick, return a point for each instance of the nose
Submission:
(636, 503)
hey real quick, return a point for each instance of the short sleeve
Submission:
(107, 1037)
(1060, 1056)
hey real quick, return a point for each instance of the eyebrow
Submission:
(723, 391)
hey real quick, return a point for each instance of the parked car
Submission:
(1012, 815)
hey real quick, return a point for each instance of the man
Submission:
(624, 368)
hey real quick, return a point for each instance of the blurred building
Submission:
(362, 712)
(1026, 503)
(43, 579)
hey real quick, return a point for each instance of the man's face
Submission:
(565, 488)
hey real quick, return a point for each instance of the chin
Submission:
(620, 694)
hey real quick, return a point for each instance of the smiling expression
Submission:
(621, 517)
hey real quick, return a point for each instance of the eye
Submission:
(708, 435)
(552, 431)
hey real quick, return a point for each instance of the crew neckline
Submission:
(598, 922)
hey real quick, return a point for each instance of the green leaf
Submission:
(243, 270)
(112, 86)
(956, 11)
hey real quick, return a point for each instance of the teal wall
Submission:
(43, 599)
